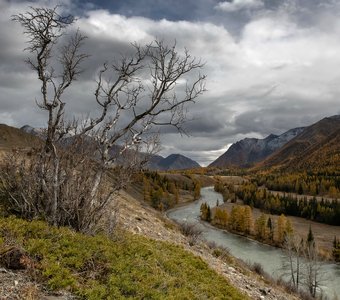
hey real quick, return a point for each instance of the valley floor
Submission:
(323, 233)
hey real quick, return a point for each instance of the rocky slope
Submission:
(251, 150)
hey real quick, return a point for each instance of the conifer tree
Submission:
(336, 249)
(205, 212)
(270, 227)
(146, 189)
(197, 190)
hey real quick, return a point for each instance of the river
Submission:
(246, 249)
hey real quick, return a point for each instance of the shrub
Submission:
(191, 231)
(257, 268)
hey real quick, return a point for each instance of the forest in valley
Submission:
(163, 192)
(314, 197)
(254, 193)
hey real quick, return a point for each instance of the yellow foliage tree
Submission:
(281, 226)
(261, 227)
(220, 217)
(248, 219)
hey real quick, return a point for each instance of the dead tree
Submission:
(134, 96)
(314, 275)
(302, 264)
(293, 264)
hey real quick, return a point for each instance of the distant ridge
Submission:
(248, 151)
(316, 148)
(28, 136)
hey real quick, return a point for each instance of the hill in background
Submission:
(27, 136)
(11, 137)
(176, 162)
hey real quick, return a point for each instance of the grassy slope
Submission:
(126, 267)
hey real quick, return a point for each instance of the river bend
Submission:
(244, 248)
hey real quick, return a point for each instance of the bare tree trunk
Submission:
(73, 186)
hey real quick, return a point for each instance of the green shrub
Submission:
(129, 267)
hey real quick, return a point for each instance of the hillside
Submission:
(147, 247)
(316, 148)
(147, 257)
(248, 151)
(126, 267)
(11, 137)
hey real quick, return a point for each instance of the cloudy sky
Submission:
(271, 65)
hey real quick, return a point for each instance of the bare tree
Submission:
(314, 274)
(133, 96)
(303, 264)
(294, 247)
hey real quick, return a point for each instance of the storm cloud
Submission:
(270, 65)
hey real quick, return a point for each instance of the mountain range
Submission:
(317, 147)
(248, 151)
(313, 147)
(28, 136)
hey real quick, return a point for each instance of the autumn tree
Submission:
(248, 219)
(261, 227)
(281, 227)
(197, 190)
(64, 182)
(236, 220)
(221, 217)
(288, 230)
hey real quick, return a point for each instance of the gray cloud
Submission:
(236, 5)
(268, 71)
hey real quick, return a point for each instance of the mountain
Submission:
(251, 150)
(176, 162)
(27, 136)
(11, 137)
(153, 162)
(317, 147)
(31, 130)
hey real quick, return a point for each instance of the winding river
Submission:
(246, 249)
